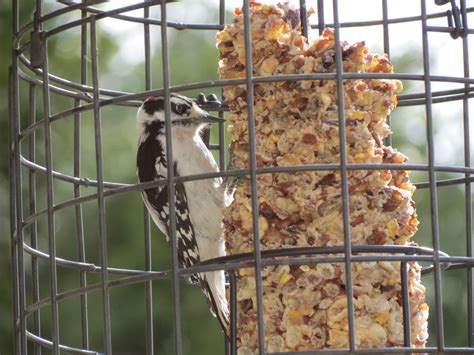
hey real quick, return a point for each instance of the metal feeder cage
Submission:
(33, 115)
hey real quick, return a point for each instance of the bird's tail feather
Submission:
(213, 286)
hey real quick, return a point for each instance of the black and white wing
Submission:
(152, 166)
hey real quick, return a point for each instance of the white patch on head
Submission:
(179, 100)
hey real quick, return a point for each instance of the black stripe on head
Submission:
(180, 105)
(181, 99)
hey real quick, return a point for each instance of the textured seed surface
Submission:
(297, 123)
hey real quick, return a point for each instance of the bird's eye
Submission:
(180, 109)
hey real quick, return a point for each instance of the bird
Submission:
(199, 204)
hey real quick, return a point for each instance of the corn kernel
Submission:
(248, 271)
(392, 281)
(392, 228)
(382, 318)
(387, 265)
(268, 66)
(223, 36)
(359, 157)
(295, 317)
(274, 138)
(401, 241)
(358, 115)
(284, 279)
(262, 225)
(326, 99)
(274, 33)
(362, 187)
(305, 268)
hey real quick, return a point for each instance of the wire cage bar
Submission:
(34, 173)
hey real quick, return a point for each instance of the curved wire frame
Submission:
(33, 70)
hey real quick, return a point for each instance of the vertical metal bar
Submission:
(38, 13)
(386, 49)
(222, 145)
(50, 205)
(100, 192)
(253, 177)
(233, 312)
(344, 178)
(467, 187)
(171, 187)
(80, 228)
(147, 42)
(221, 12)
(304, 18)
(146, 216)
(465, 26)
(13, 112)
(228, 346)
(386, 36)
(406, 304)
(19, 235)
(321, 23)
(34, 226)
(32, 193)
(13, 156)
(49, 187)
(77, 190)
(148, 284)
(432, 180)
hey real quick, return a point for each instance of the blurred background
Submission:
(193, 58)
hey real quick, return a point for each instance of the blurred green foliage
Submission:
(193, 58)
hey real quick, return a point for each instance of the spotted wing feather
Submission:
(152, 166)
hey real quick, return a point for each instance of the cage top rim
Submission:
(117, 14)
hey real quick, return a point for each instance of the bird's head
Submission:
(184, 112)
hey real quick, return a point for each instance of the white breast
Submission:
(205, 197)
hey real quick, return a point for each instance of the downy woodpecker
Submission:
(198, 203)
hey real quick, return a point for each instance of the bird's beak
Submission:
(211, 119)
